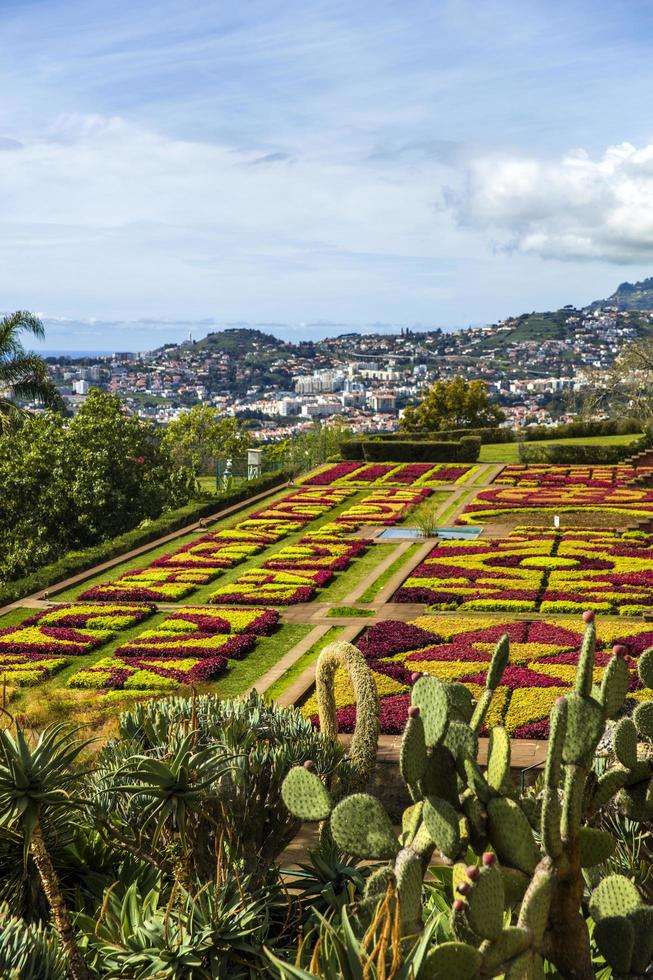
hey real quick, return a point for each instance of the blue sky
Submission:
(301, 163)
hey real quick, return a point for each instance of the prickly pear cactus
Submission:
(520, 902)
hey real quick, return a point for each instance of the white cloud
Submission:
(574, 208)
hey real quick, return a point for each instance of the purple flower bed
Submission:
(392, 636)
(336, 472)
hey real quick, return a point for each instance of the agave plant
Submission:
(28, 952)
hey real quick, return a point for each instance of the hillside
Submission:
(239, 340)
(629, 296)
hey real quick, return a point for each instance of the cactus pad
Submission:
(462, 702)
(412, 758)
(641, 920)
(596, 846)
(476, 780)
(550, 824)
(510, 834)
(585, 726)
(637, 801)
(461, 740)
(643, 718)
(608, 785)
(485, 903)
(410, 821)
(534, 912)
(557, 733)
(614, 687)
(615, 938)
(624, 742)
(377, 883)
(360, 826)
(452, 961)
(441, 821)
(498, 663)
(440, 778)
(585, 671)
(614, 896)
(408, 869)
(305, 796)
(498, 765)
(515, 884)
(645, 668)
(511, 943)
(430, 696)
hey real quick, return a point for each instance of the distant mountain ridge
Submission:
(629, 296)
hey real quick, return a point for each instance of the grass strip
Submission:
(344, 584)
(298, 668)
(340, 611)
(373, 590)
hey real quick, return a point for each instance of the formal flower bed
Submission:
(257, 531)
(632, 501)
(384, 506)
(193, 643)
(147, 674)
(260, 622)
(308, 553)
(543, 663)
(389, 474)
(534, 569)
(304, 505)
(87, 616)
(540, 474)
(276, 588)
(152, 585)
(28, 669)
(72, 629)
(209, 552)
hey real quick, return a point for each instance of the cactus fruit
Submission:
(305, 796)
(360, 826)
(624, 742)
(645, 667)
(643, 718)
(510, 834)
(430, 696)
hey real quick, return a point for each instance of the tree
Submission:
(23, 375)
(455, 404)
(312, 447)
(72, 483)
(34, 783)
(200, 436)
(626, 388)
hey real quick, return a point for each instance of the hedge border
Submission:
(183, 519)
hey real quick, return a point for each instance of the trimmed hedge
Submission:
(466, 450)
(531, 433)
(494, 434)
(78, 561)
(582, 455)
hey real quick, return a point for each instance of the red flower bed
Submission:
(336, 472)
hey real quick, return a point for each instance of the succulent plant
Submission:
(520, 903)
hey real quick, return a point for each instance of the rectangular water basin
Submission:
(466, 533)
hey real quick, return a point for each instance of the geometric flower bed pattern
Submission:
(42, 644)
(538, 569)
(304, 505)
(188, 646)
(383, 506)
(311, 553)
(209, 552)
(152, 584)
(539, 474)
(636, 502)
(389, 474)
(276, 588)
(542, 666)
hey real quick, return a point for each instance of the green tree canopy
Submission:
(71, 483)
(455, 404)
(200, 436)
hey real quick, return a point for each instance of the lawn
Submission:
(375, 587)
(304, 661)
(508, 452)
(344, 583)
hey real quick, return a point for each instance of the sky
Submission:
(314, 166)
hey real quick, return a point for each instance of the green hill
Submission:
(238, 340)
(629, 296)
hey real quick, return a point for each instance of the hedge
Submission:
(466, 450)
(530, 433)
(79, 561)
(582, 455)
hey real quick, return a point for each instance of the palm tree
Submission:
(35, 782)
(23, 375)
